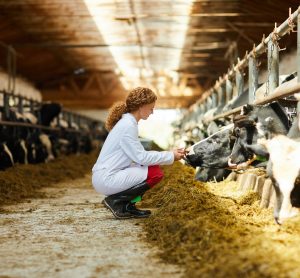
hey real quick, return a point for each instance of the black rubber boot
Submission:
(117, 207)
(135, 212)
(120, 205)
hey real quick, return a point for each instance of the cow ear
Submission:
(246, 109)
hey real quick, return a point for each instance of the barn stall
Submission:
(197, 56)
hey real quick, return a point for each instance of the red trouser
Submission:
(155, 175)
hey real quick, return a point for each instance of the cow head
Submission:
(256, 122)
(245, 132)
(213, 151)
(283, 169)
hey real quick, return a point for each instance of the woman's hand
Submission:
(179, 153)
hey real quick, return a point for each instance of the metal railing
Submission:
(222, 91)
(20, 103)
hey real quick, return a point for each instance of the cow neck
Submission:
(280, 113)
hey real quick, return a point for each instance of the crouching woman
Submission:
(124, 170)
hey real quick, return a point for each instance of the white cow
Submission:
(283, 168)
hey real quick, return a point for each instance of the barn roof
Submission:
(89, 53)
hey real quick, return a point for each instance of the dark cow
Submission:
(211, 174)
(48, 111)
(253, 123)
(211, 155)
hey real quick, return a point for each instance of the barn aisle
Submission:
(70, 234)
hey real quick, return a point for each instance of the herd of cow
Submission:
(261, 136)
(37, 137)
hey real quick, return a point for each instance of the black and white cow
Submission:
(284, 169)
(6, 157)
(25, 144)
(256, 122)
(211, 155)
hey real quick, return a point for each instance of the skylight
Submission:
(145, 38)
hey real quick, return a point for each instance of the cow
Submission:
(26, 144)
(283, 169)
(48, 111)
(211, 155)
(254, 122)
(6, 157)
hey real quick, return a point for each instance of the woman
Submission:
(124, 170)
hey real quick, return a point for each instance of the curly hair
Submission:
(136, 98)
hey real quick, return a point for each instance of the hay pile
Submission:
(211, 234)
(23, 181)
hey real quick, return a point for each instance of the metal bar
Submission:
(58, 121)
(20, 104)
(221, 95)
(253, 79)
(273, 66)
(284, 90)
(200, 110)
(31, 104)
(209, 103)
(214, 99)
(69, 119)
(6, 105)
(239, 81)
(229, 90)
(8, 123)
(258, 50)
(226, 114)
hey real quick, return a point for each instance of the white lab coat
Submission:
(123, 162)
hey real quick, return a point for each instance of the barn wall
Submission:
(99, 114)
